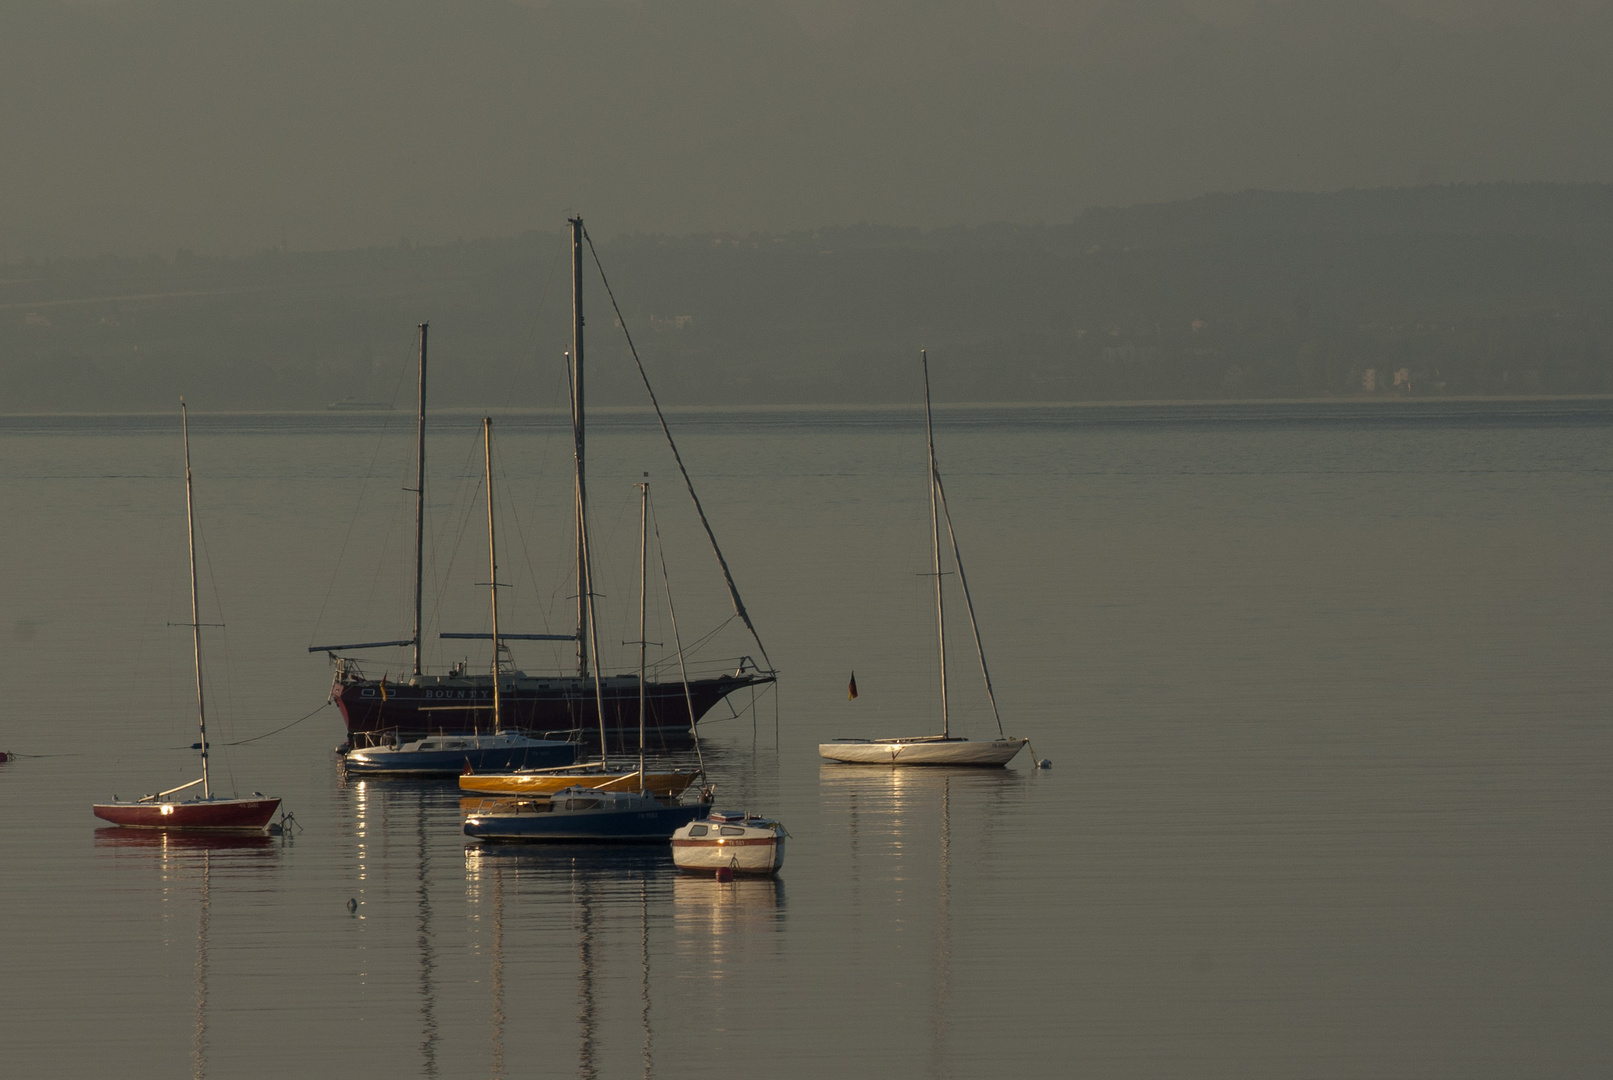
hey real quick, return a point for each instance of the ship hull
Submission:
(993, 753)
(226, 814)
(537, 708)
(603, 826)
(752, 855)
(453, 756)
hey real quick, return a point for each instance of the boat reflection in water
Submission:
(616, 895)
(172, 847)
(599, 942)
(705, 908)
(189, 862)
(393, 818)
(899, 823)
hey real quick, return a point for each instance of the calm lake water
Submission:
(1325, 688)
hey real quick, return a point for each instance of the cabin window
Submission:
(732, 830)
(428, 746)
(697, 830)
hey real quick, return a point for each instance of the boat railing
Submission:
(523, 805)
(371, 740)
(349, 670)
(666, 669)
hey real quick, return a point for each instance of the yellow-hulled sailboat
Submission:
(663, 785)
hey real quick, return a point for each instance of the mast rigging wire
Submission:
(683, 671)
(369, 474)
(278, 730)
(957, 558)
(728, 578)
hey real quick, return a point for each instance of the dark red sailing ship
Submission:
(553, 707)
(577, 705)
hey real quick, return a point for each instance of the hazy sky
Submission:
(146, 125)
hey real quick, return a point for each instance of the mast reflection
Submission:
(614, 893)
(198, 1040)
(496, 979)
(888, 814)
(644, 973)
(389, 819)
(940, 1056)
(719, 922)
(180, 859)
(428, 996)
(583, 905)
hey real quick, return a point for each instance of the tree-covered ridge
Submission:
(1458, 289)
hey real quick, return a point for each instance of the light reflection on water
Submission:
(185, 865)
(617, 908)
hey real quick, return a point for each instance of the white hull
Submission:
(745, 845)
(752, 857)
(934, 751)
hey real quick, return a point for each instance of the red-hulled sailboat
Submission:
(207, 810)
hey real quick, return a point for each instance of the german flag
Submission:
(851, 691)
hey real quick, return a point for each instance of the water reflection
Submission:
(582, 904)
(940, 1056)
(423, 936)
(175, 850)
(389, 817)
(891, 807)
(186, 859)
(496, 974)
(605, 887)
(553, 928)
(644, 977)
(891, 818)
(718, 909)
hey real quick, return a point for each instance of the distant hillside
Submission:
(1459, 289)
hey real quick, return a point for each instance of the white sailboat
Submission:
(945, 748)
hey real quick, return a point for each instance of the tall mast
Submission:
(195, 613)
(577, 439)
(935, 538)
(643, 551)
(593, 640)
(420, 499)
(492, 558)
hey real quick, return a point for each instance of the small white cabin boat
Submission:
(743, 843)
